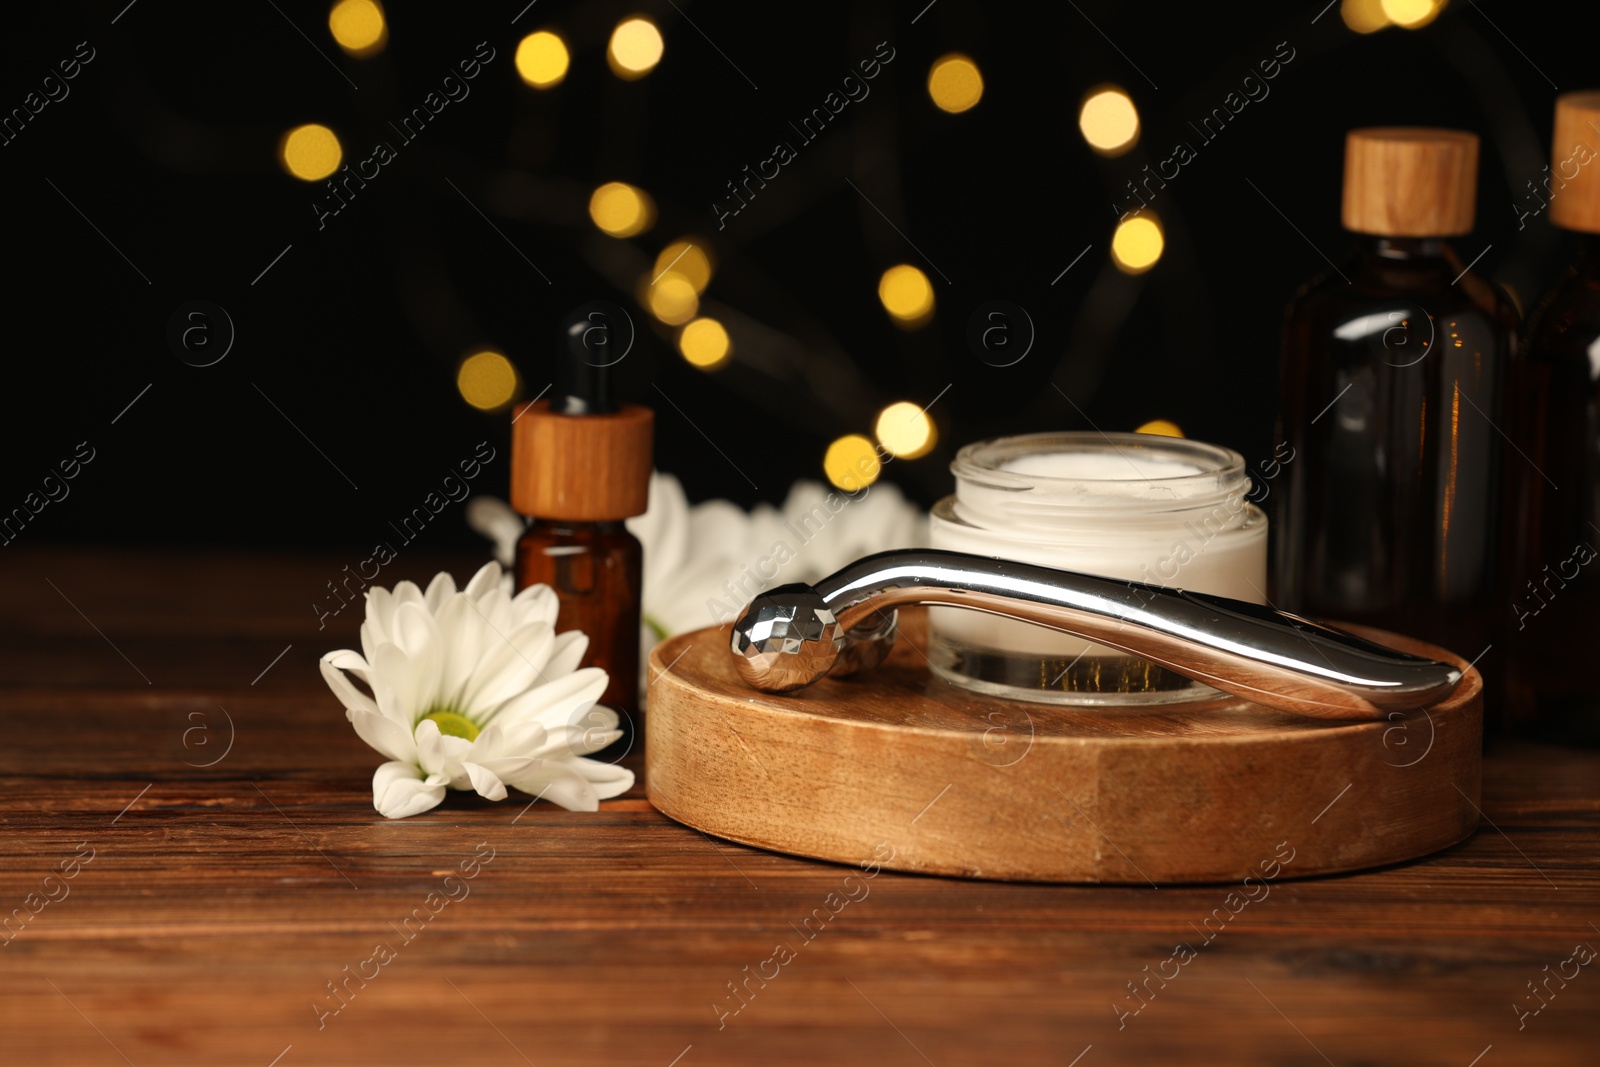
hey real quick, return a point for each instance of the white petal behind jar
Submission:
(1162, 510)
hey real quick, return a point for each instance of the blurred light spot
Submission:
(1161, 428)
(1109, 121)
(635, 48)
(906, 294)
(1363, 16)
(688, 258)
(1137, 244)
(310, 152)
(905, 430)
(672, 299)
(487, 380)
(704, 343)
(621, 210)
(542, 59)
(358, 27)
(851, 463)
(1412, 14)
(955, 84)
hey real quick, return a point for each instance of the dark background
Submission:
(167, 146)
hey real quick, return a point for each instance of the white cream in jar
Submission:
(1162, 510)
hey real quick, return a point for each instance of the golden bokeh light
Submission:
(542, 59)
(621, 209)
(1412, 14)
(1160, 428)
(1109, 121)
(1137, 244)
(905, 430)
(635, 48)
(955, 84)
(1363, 16)
(672, 299)
(906, 294)
(487, 380)
(851, 463)
(310, 152)
(705, 343)
(358, 27)
(689, 258)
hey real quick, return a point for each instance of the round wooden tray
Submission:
(896, 767)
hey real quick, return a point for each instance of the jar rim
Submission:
(982, 462)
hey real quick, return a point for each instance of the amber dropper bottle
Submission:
(580, 465)
(1553, 611)
(1393, 379)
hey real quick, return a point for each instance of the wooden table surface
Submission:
(208, 908)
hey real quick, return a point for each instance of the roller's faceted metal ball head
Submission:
(787, 639)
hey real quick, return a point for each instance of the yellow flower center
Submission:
(454, 724)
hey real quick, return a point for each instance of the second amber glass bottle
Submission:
(1553, 611)
(580, 465)
(1393, 375)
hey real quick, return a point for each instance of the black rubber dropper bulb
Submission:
(598, 335)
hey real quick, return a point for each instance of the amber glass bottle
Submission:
(579, 466)
(1393, 379)
(1553, 610)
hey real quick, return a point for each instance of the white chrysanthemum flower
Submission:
(475, 690)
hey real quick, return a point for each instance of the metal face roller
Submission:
(795, 634)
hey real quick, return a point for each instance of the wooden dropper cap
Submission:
(577, 457)
(1575, 204)
(1410, 181)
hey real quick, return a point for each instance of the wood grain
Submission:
(581, 468)
(217, 906)
(964, 784)
(1410, 181)
(1574, 144)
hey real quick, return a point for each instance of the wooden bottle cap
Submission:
(581, 468)
(1410, 181)
(1575, 162)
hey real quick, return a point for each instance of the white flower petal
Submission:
(485, 583)
(394, 683)
(461, 646)
(383, 734)
(440, 753)
(389, 705)
(509, 666)
(537, 603)
(502, 742)
(505, 740)
(494, 519)
(484, 781)
(333, 666)
(407, 593)
(441, 589)
(498, 614)
(380, 606)
(563, 700)
(718, 527)
(347, 660)
(399, 790)
(417, 634)
(566, 653)
(609, 779)
(554, 781)
(507, 767)
(569, 741)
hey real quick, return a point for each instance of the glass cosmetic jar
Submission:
(1162, 510)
